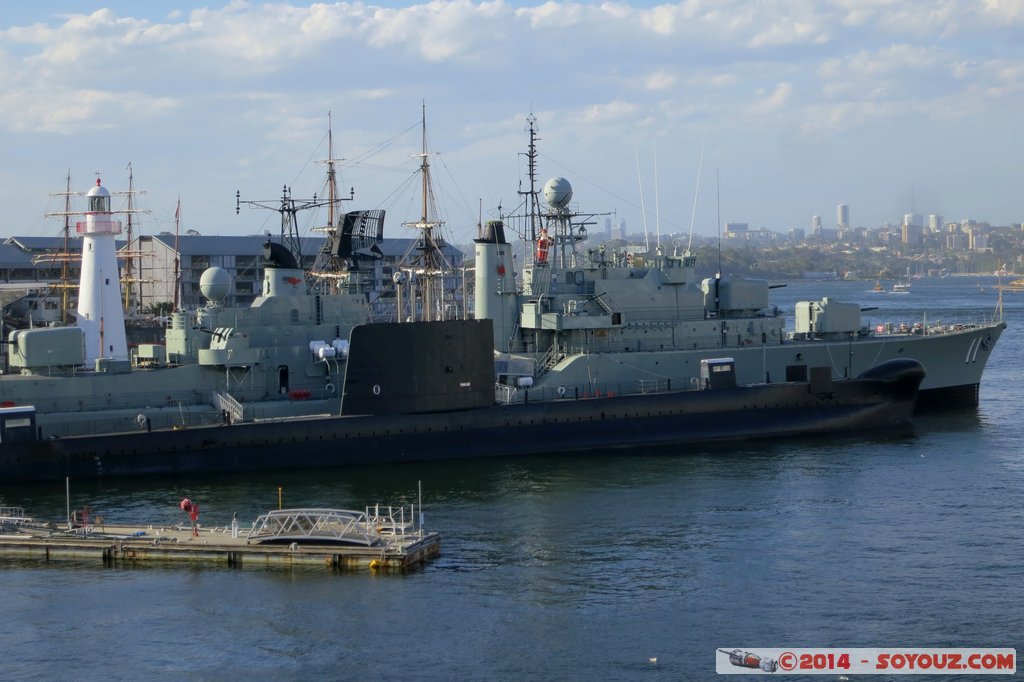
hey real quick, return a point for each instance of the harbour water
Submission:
(582, 567)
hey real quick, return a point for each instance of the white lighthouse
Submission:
(100, 314)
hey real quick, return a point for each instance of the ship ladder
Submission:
(551, 358)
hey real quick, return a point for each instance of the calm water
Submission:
(579, 568)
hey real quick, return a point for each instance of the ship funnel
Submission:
(282, 275)
(493, 232)
(277, 256)
(497, 298)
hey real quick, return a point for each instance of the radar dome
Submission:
(215, 284)
(558, 192)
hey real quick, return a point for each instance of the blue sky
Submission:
(890, 106)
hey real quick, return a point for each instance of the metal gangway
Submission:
(368, 528)
(13, 516)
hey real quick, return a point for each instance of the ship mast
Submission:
(131, 273)
(531, 165)
(64, 284)
(326, 272)
(128, 279)
(177, 256)
(332, 181)
(65, 256)
(288, 207)
(431, 263)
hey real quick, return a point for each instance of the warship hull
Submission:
(954, 360)
(881, 399)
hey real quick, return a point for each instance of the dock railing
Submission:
(343, 526)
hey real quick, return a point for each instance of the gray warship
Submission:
(590, 321)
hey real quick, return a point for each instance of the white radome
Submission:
(215, 284)
(558, 192)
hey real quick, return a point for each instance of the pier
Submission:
(335, 539)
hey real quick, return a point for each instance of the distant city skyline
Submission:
(764, 113)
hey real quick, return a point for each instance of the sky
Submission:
(670, 116)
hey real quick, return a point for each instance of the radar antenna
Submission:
(289, 207)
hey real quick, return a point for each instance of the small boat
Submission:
(901, 288)
(878, 286)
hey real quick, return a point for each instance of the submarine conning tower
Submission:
(100, 311)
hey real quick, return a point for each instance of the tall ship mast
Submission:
(65, 256)
(65, 280)
(350, 238)
(132, 259)
(423, 279)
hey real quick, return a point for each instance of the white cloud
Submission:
(659, 80)
(899, 59)
(1003, 11)
(553, 15)
(661, 20)
(776, 100)
(607, 113)
(73, 111)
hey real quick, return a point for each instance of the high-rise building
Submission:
(843, 216)
(911, 233)
(956, 241)
(816, 225)
(934, 223)
(736, 231)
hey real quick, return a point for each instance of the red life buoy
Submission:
(543, 243)
(186, 505)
